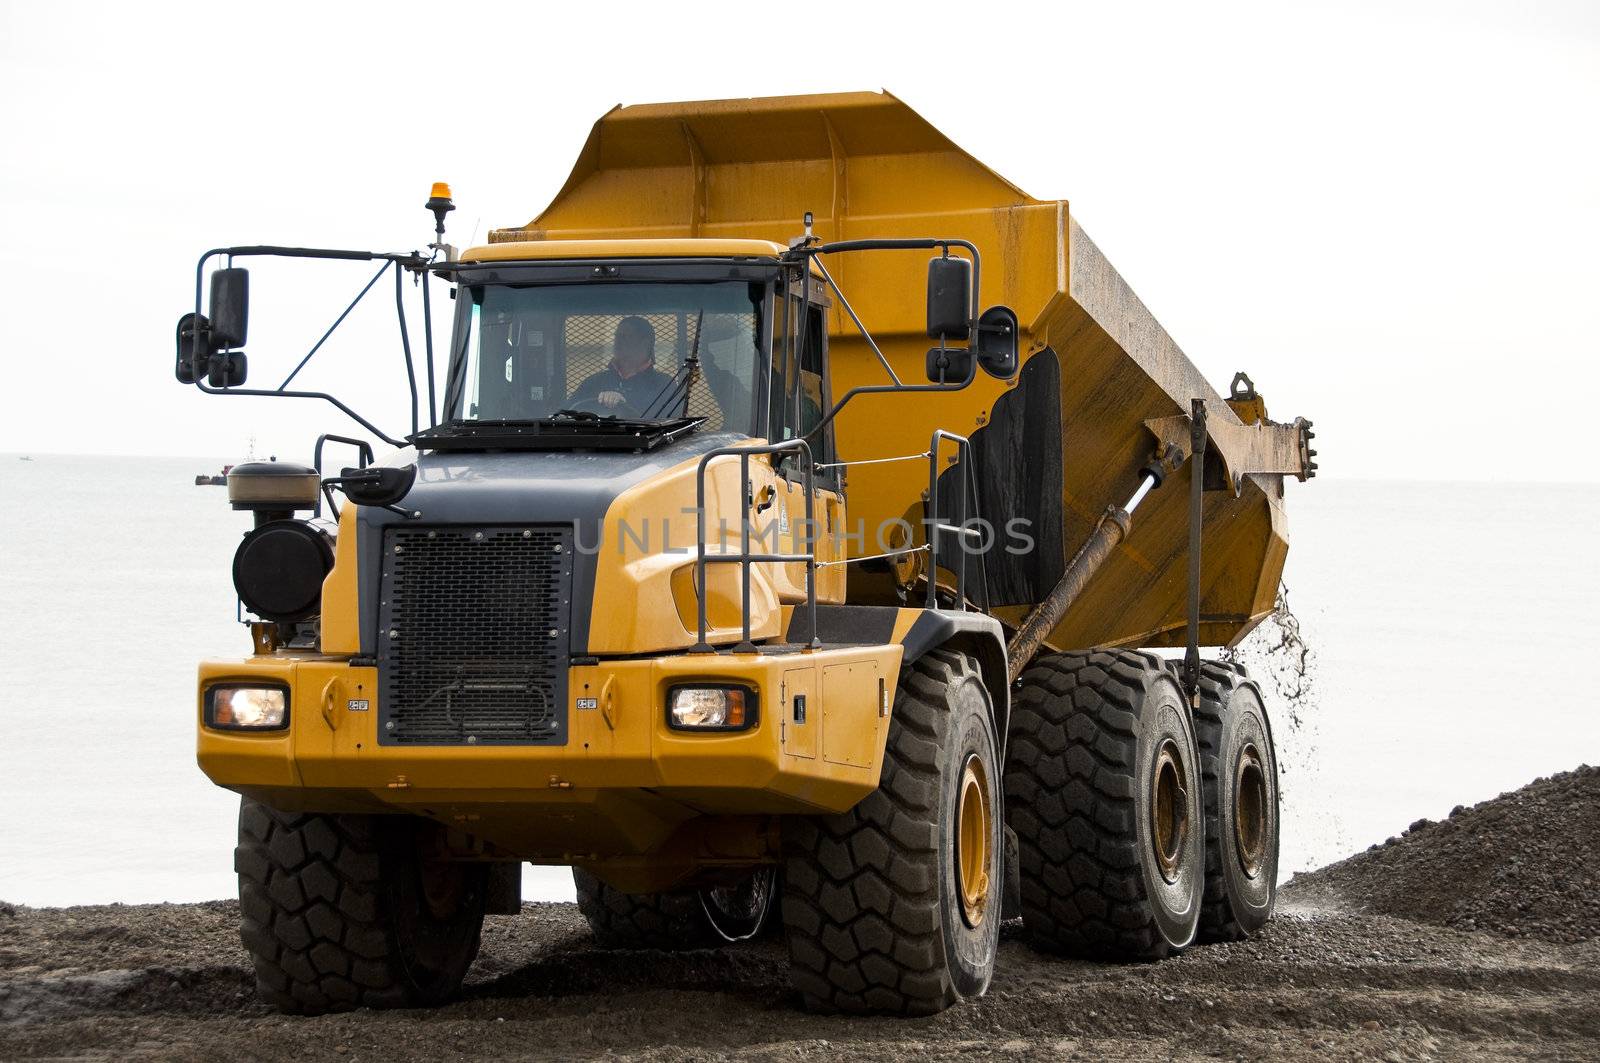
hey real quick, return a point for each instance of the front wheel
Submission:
(351, 911)
(895, 906)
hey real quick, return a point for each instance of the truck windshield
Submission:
(619, 350)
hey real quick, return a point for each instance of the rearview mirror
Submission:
(997, 342)
(949, 365)
(227, 370)
(194, 347)
(949, 298)
(376, 485)
(230, 307)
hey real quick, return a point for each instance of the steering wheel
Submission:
(595, 406)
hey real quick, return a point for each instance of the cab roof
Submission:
(683, 247)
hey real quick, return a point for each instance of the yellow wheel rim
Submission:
(1169, 810)
(974, 840)
(1250, 810)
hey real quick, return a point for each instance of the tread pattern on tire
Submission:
(1218, 680)
(861, 901)
(1070, 766)
(640, 920)
(310, 903)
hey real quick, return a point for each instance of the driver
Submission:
(632, 381)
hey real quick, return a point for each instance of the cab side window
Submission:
(797, 410)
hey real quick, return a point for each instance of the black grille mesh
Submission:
(472, 640)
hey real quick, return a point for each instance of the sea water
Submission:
(1452, 628)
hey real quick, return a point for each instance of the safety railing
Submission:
(935, 526)
(363, 455)
(744, 558)
(966, 489)
(937, 529)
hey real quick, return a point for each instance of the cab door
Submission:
(798, 400)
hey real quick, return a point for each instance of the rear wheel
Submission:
(640, 920)
(1239, 767)
(681, 919)
(341, 912)
(745, 909)
(895, 906)
(1103, 791)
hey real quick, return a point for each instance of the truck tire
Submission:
(1239, 772)
(684, 919)
(347, 911)
(895, 905)
(1103, 790)
(640, 920)
(744, 910)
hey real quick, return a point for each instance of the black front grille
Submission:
(472, 639)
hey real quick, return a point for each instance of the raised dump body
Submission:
(1056, 444)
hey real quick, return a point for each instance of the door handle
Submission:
(765, 497)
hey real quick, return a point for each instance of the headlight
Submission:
(235, 707)
(711, 708)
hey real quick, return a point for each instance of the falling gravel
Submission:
(1361, 962)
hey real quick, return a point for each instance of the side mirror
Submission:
(376, 485)
(997, 342)
(949, 298)
(194, 347)
(230, 307)
(227, 370)
(949, 365)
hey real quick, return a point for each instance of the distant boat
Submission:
(219, 480)
(24, 458)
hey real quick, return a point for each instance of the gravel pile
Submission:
(1324, 980)
(1525, 864)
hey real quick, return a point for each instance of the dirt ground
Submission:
(1336, 975)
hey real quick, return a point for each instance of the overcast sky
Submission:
(1389, 214)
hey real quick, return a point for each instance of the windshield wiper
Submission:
(690, 371)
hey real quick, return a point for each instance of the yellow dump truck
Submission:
(784, 543)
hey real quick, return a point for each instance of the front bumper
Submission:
(623, 783)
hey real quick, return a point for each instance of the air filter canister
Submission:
(279, 568)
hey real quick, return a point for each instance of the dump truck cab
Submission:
(531, 612)
(717, 583)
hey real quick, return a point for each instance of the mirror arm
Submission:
(885, 389)
(410, 260)
(887, 368)
(315, 347)
(814, 252)
(401, 260)
(923, 243)
(347, 411)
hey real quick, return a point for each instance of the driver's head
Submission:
(634, 346)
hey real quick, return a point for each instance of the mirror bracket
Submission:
(996, 342)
